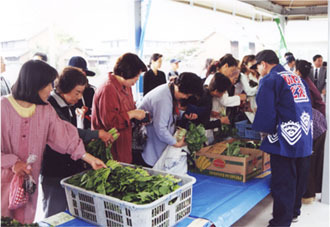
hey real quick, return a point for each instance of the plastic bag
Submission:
(17, 195)
(21, 187)
(173, 160)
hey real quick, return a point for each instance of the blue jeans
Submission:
(288, 185)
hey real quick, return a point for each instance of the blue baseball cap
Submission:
(175, 60)
(81, 63)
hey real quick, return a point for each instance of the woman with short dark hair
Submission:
(163, 105)
(28, 123)
(113, 104)
(69, 89)
(153, 77)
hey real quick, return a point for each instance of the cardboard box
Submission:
(265, 156)
(265, 161)
(210, 161)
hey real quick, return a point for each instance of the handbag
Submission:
(139, 137)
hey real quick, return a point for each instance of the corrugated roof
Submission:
(263, 10)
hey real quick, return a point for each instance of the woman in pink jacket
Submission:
(28, 123)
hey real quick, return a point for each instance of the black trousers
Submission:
(288, 185)
(138, 160)
(316, 167)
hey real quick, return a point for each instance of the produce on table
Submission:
(202, 163)
(217, 148)
(133, 185)
(233, 149)
(195, 138)
(98, 148)
(8, 221)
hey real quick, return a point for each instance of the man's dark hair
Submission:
(288, 54)
(33, 76)
(219, 83)
(42, 56)
(69, 79)
(304, 67)
(128, 66)
(227, 59)
(189, 83)
(316, 57)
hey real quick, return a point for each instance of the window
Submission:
(252, 47)
(234, 48)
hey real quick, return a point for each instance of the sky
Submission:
(91, 22)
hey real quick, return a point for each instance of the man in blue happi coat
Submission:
(284, 118)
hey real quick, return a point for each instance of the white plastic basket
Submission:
(105, 210)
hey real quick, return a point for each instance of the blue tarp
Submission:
(223, 201)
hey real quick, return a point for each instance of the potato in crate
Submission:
(167, 209)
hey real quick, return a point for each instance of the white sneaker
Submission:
(294, 219)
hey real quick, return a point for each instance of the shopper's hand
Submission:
(106, 137)
(21, 168)
(180, 143)
(323, 91)
(215, 114)
(242, 97)
(225, 120)
(94, 162)
(137, 114)
(80, 112)
(191, 116)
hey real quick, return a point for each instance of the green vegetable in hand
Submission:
(98, 148)
(195, 137)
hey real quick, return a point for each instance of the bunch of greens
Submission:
(133, 185)
(228, 131)
(8, 221)
(250, 144)
(233, 149)
(195, 137)
(98, 148)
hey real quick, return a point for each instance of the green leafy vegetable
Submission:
(8, 221)
(195, 137)
(98, 149)
(134, 185)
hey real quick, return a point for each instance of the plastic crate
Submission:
(244, 130)
(105, 210)
(240, 126)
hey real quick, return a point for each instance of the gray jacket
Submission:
(321, 78)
